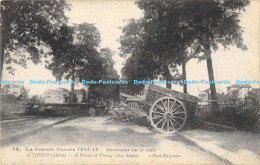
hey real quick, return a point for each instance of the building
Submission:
(205, 95)
(243, 89)
(16, 90)
(59, 95)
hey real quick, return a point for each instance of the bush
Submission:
(246, 121)
(248, 112)
(229, 113)
(8, 98)
(244, 114)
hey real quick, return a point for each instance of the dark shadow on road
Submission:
(24, 134)
(80, 135)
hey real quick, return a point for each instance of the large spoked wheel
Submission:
(92, 112)
(168, 115)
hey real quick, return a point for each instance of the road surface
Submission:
(95, 140)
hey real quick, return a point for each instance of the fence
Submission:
(204, 107)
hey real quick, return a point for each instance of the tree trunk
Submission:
(72, 91)
(4, 38)
(184, 77)
(2, 51)
(168, 77)
(211, 78)
(169, 86)
(72, 94)
(1, 63)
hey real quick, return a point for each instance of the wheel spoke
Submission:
(163, 106)
(160, 121)
(178, 117)
(176, 121)
(163, 124)
(176, 109)
(172, 125)
(168, 126)
(172, 105)
(157, 117)
(159, 108)
(168, 108)
(158, 112)
(178, 113)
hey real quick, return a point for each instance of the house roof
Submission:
(57, 90)
(65, 90)
(207, 90)
(239, 86)
(13, 86)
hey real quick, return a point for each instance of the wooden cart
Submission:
(166, 109)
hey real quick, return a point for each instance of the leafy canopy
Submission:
(28, 26)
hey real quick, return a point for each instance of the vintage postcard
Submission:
(130, 82)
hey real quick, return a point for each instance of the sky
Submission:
(109, 15)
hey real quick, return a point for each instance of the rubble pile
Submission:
(124, 114)
(55, 110)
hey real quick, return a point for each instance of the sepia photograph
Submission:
(130, 82)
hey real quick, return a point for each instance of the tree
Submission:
(76, 54)
(161, 40)
(208, 23)
(108, 64)
(29, 25)
(106, 73)
(167, 36)
(146, 61)
(215, 22)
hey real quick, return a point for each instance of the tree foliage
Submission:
(76, 56)
(28, 26)
(76, 52)
(107, 72)
(143, 62)
(174, 31)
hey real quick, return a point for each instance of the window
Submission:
(203, 96)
